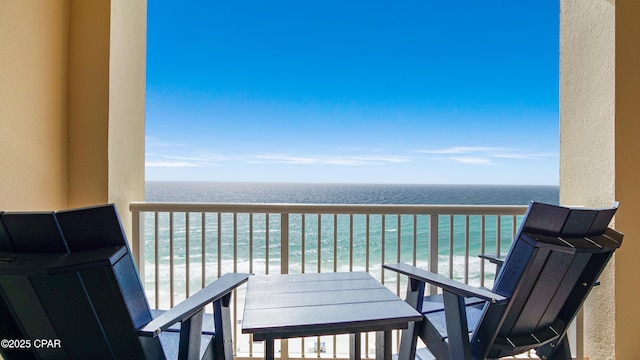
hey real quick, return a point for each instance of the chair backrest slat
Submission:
(73, 315)
(512, 271)
(92, 227)
(133, 295)
(24, 303)
(570, 279)
(589, 276)
(119, 317)
(35, 232)
(542, 294)
(522, 291)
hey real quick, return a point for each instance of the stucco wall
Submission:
(587, 140)
(33, 104)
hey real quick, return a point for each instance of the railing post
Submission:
(137, 242)
(498, 234)
(284, 243)
(433, 248)
(578, 336)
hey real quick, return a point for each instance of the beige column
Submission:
(587, 140)
(127, 86)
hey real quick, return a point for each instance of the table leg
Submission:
(269, 349)
(355, 346)
(383, 345)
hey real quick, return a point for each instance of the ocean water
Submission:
(314, 249)
(164, 191)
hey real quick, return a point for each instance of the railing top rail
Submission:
(141, 206)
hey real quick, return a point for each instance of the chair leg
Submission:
(223, 340)
(190, 337)
(457, 328)
(409, 339)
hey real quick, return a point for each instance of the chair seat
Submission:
(170, 338)
(439, 321)
(433, 310)
(170, 341)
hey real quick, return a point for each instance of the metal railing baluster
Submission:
(187, 262)
(451, 219)
(466, 249)
(433, 247)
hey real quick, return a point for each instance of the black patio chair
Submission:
(554, 261)
(69, 289)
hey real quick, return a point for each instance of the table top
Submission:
(296, 305)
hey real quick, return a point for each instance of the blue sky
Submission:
(351, 91)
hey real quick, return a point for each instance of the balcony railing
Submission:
(181, 247)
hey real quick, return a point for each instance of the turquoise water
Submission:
(348, 251)
(390, 243)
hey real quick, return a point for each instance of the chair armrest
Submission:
(445, 283)
(193, 304)
(495, 259)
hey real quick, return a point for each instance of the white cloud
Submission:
(482, 154)
(167, 154)
(511, 156)
(169, 164)
(346, 160)
(472, 160)
(154, 142)
(523, 156)
(461, 150)
(185, 158)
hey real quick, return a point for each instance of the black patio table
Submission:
(299, 305)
